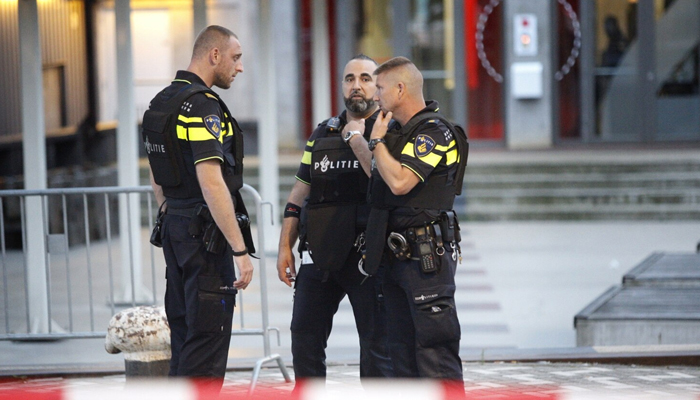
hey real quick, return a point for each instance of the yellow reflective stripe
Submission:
(211, 96)
(451, 157)
(210, 158)
(310, 143)
(414, 171)
(445, 148)
(181, 132)
(228, 130)
(302, 181)
(431, 159)
(306, 158)
(190, 120)
(408, 150)
(200, 135)
(182, 80)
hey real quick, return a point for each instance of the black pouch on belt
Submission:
(449, 227)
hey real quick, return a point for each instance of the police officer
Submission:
(416, 174)
(332, 179)
(195, 152)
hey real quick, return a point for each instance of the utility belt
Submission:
(426, 243)
(201, 223)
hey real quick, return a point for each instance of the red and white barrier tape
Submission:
(313, 390)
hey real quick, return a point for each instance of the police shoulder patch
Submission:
(213, 125)
(423, 145)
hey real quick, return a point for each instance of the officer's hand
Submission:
(381, 125)
(286, 270)
(355, 125)
(245, 268)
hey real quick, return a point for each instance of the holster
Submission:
(203, 223)
(156, 238)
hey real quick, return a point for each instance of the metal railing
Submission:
(79, 235)
(79, 288)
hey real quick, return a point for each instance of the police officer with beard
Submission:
(331, 186)
(195, 152)
(417, 172)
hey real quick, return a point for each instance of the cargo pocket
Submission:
(436, 319)
(216, 303)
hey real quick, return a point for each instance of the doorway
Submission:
(644, 59)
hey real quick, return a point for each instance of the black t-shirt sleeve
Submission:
(432, 145)
(200, 123)
(304, 171)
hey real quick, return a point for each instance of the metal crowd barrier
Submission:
(80, 263)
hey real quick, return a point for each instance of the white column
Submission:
(34, 153)
(529, 118)
(127, 160)
(199, 13)
(267, 125)
(320, 67)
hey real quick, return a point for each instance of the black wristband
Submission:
(292, 210)
(239, 253)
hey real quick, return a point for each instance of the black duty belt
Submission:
(182, 212)
(420, 242)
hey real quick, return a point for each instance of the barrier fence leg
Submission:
(258, 367)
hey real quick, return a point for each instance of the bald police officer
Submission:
(417, 172)
(195, 151)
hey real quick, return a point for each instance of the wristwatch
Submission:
(349, 135)
(374, 142)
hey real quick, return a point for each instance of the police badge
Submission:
(423, 145)
(213, 125)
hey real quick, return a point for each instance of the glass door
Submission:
(616, 72)
(677, 31)
(645, 71)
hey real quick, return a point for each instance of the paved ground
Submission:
(481, 381)
(519, 287)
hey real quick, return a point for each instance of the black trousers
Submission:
(199, 302)
(315, 304)
(422, 319)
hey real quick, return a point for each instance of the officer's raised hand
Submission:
(353, 134)
(354, 125)
(381, 125)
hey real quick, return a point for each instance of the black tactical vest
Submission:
(439, 190)
(163, 148)
(337, 204)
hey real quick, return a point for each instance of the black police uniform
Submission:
(333, 217)
(187, 123)
(419, 294)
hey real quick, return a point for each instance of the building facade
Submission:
(537, 73)
(517, 73)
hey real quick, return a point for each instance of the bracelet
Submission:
(239, 253)
(292, 210)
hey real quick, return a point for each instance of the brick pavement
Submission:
(481, 381)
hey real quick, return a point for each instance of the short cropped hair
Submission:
(391, 64)
(364, 57)
(210, 37)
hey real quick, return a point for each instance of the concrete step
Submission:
(558, 187)
(657, 304)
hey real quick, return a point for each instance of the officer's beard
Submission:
(222, 80)
(358, 105)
